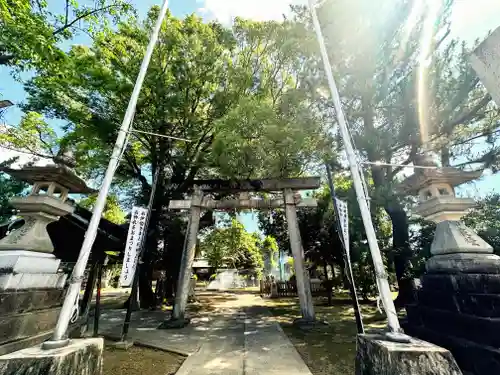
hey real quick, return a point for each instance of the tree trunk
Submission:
(146, 294)
(401, 252)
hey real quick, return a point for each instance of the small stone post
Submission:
(178, 319)
(303, 283)
(274, 289)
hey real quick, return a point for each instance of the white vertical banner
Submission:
(136, 230)
(344, 223)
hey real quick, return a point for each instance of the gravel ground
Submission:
(140, 361)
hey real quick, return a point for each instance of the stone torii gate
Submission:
(291, 200)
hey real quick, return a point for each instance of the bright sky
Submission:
(471, 19)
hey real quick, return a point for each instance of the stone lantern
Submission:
(438, 203)
(457, 305)
(31, 288)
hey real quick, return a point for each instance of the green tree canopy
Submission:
(404, 85)
(9, 188)
(112, 209)
(237, 92)
(233, 246)
(31, 30)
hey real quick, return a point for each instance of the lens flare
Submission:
(423, 92)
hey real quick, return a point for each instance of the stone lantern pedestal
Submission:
(31, 286)
(458, 303)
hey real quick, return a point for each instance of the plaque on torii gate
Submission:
(290, 201)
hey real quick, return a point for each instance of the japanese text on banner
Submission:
(136, 230)
(344, 222)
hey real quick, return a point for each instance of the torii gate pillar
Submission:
(178, 319)
(301, 274)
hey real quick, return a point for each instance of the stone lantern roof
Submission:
(59, 174)
(45, 204)
(434, 186)
(427, 177)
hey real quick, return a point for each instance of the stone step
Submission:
(19, 326)
(463, 283)
(473, 328)
(482, 305)
(23, 281)
(473, 358)
(29, 300)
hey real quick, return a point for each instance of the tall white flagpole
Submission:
(380, 274)
(59, 337)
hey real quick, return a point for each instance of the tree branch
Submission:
(136, 170)
(67, 13)
(67, 25)
(468, 117)
(29, 152)
(5, 59)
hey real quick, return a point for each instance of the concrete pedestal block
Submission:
(80, 357)
(377, 356)
(27, 262)
(24, 281)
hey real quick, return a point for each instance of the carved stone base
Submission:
(455, 237)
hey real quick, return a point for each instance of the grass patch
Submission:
(330, 350)
(140, 361)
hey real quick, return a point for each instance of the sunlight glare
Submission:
(426, 44)
(415, 14)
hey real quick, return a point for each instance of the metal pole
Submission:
(135, 281)
(281, 265)
(87, 298)
(345, 255)
(97, 310)
(381, 276)
(60, 333)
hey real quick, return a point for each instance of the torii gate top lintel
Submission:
(272, 184)
(245, 186)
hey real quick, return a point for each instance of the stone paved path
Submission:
(238, 338)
